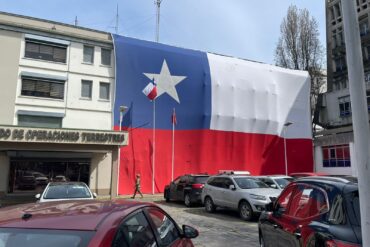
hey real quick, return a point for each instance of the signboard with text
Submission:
(65, 136)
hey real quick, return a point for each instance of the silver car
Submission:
(58, 191)
(276, 181)
(246, 194)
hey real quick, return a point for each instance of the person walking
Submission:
(137, 186)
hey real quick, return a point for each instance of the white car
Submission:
(246, 194)
(58, 191)
(276, 181)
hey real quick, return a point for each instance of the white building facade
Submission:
(56, 79)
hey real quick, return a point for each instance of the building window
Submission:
(40, 121)
(45, 88)
(106, 56)
(336, 156)
(340, 39)
(334, 39)
(364, 27)
(337, 9)
(104, 90)
(332, 16)
(340, 64)
(345, 106)
(368, 100)
(88, 54)
(86, 89)
(45, 51)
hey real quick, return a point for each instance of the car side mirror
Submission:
(232, 187)
(274, 186)
(269, 207)
(38, 196)
(279, 210)
(95, 195)
(189, 232)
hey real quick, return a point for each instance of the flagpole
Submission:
(153, 156)
(173, 143)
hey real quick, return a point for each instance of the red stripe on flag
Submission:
(200, 151)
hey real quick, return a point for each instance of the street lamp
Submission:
(286, 125)
(122, 110)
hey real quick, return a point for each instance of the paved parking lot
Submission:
(223, 228)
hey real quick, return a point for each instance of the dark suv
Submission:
(313, 211)
(187, 188)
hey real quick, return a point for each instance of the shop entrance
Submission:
(33, 174)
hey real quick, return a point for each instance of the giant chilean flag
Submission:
(230, 114)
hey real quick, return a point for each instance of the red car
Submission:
(313, 211)
(118, 223)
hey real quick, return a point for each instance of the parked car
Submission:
(297, 175)
(27, 182)
(117, 223)
(41, 179)
(60, 178)
(57, 191)
(246, 194)
(276, 181)
(313, 211)
(187, 188)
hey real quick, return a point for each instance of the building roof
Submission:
(56, 28)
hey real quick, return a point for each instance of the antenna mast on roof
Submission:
(116, 27)
(158, 3)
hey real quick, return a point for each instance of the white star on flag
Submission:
(165, 82)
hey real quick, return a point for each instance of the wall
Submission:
(331, 113)
(4, 168)
(9, 50)
(100, 173)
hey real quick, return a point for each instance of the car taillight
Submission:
(337, 243)
(197, 186)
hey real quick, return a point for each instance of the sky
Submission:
(246, 29)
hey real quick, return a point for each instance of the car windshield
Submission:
(250, 183)
(283, 182)
(63, 191)
(200, 179)
(12, 237)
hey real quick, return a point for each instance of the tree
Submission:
(299, 48)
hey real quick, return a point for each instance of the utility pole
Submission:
(158, 3)
(76, 21)
(360, 117)
(116, 27)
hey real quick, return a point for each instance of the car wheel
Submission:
(187, 200)
(262, 241)
(167, 196)
(208, 204)
(245, 211)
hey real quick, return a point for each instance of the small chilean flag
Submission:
(150, 91)
(173, 117)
